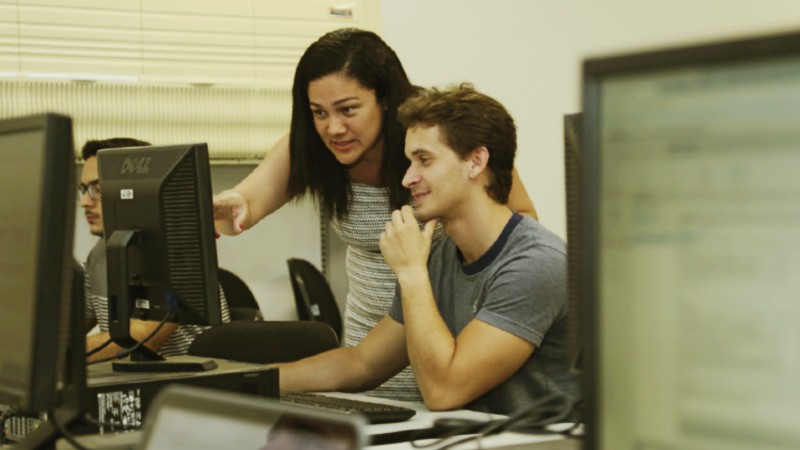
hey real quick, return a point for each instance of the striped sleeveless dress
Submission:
(372, 282)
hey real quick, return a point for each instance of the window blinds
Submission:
(166, 71)
(238, 123)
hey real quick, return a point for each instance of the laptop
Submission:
(186, 417)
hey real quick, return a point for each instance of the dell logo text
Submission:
(138, 166)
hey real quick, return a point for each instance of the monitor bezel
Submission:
(209, 262)
(51, 316)
(594, 71)
(573, 167)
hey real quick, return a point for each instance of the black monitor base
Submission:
(164, 366)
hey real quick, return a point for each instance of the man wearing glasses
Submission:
(171, 339)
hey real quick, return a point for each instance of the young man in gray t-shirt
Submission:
(481, 314)
(519, 287)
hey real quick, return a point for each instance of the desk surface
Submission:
(103, 374)
(423, 419)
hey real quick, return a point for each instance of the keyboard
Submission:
(373, 411)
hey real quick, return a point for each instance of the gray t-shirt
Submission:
(519, 286)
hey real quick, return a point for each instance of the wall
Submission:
(527, 54)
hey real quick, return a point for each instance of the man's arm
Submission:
(374, 360)
(140, 329)
(450, 371)
(518, 198)
(453, 372)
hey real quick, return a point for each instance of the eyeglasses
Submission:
(93, 189)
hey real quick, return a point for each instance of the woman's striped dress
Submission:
(372, 282)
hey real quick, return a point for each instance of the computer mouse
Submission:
(458, 423)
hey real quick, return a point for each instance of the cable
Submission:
(98, 348)
(96, 422)
(534, 419)
(475, 430)
(128, 351)
(551, 409)
(64, 433)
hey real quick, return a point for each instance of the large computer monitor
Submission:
(37, 208)
(160, 240)
(42, 366)
(692, 228)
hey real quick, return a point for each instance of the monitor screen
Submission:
(191, 418)
(160, 238)
(693, 233)
(37, 170)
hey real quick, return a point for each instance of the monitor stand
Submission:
(143, 359)
(164, 365)
(69, 413)
(120, 295)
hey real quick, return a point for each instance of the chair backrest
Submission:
(313, 296)
(264, 342)
(241, 301)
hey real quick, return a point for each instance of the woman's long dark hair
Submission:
(363, 56)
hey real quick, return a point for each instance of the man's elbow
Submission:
(444, 397)
(443, 402)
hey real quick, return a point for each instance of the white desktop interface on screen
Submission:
(208, 431)
(700, 248)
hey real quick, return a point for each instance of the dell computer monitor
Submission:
(692, 228)
(160, 239)
(37, 207)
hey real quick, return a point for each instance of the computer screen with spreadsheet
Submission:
(692, 228)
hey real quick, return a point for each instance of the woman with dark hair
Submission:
(345, 148)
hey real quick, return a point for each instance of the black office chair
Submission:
(313, 296)
(264, 342)
(241, 301)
